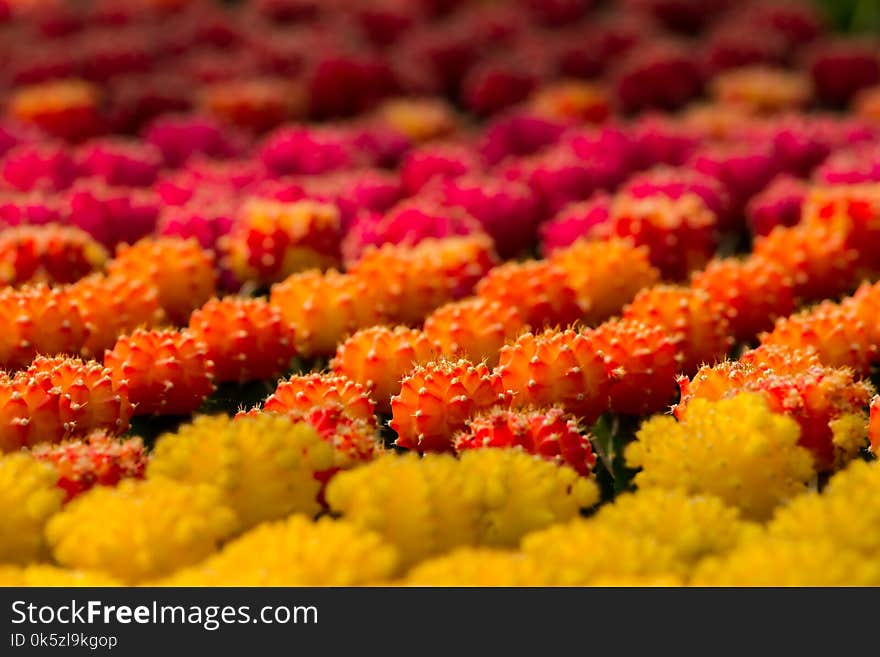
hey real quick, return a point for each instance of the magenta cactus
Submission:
(851, 166)
(29, 209)
(181, 136)
(518, 134)
(778, 205)
(112, 215)
(674, 182)
(301, 150)
(574, 222)
(659, 139)
(409, 222)
(120, 162)
(744, 169)
(507, 210)
(207, 220)
(47, 167)
(436, 161)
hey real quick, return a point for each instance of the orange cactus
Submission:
(247, 339)
(31, 413)
(853, 210)
(436, 400)
(253, 103)
(474, 329)
(97, 460)
(572, 100)
(300, 394)
(48, 254)
(560, 368)
(14, 417)
(407, 283)
(538, 289)
(832, 331)
(63, 108)
(818, 258)
(779, 359)
(762, 89)
(273, 240)
(681, 234)
(57, 398)
(644, 358)
(865, 304)
(167, 372)
(324, 308)
(39, 319)
(90, 399)
(550, 433)
(379, 358)
(111, 306)
(753, 293)
(617, 271)
(420, 119)
(693, 320)
(181, 271)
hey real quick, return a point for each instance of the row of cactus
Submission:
(530, 318)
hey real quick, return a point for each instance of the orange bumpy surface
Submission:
(167, 372)
(549, 433)
(832, 331)
(557, 367)
(324, 308)
(436, 400)
(865, 303)
(692, 319)
(48, 254)
(539, 289)
(780, 359)
(854, 211)
(474, 328)
(643, 358)
(753, 292)
(606, 275)
(60, 397)
(111, 306)
(247, 339)
(680, 233)
(39, 319)
(273, 240)
(181, 271)
(819, 258)
(304, 392)
(407, 283)
(97, 460)
(379, 358)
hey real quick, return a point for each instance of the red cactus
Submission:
(48, 254)
(302, 393)
(538, 289)
(692, 319)
(180, 270)
(436, 400)
(247, 339)
(550, 433)
(167, 372)
(643, 358)
(557, 367)
(96, 460)
(379, 358)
